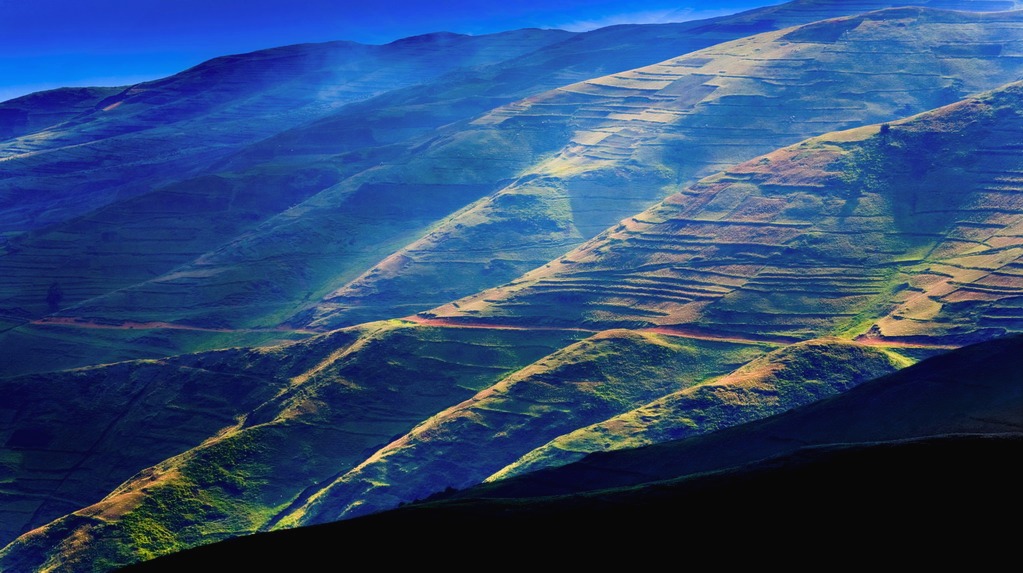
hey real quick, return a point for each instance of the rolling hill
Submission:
(71, 438)
(355, 216)
(460, 446)
(943, 490)
(642, 135)
(905, 231)
(975, 390)
(670, 253)
(928, 448)
(397, 410)
(160, 130)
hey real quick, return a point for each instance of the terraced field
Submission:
(398, 410)
(637, 252)
(908, 232)
(249, 236)
(641, 135)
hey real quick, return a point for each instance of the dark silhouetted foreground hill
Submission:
(927, 454)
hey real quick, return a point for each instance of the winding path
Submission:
(679, 331)
(75, 322)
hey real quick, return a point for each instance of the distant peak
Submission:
(430, 38)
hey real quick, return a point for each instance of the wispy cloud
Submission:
(643, 17)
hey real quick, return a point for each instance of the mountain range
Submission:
(894, 447)
(316, 282)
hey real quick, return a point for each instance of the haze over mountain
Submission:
(250, 474)
(757, 227)
(904, 441)
(60, 43)
(495, 255)
(638, 136)
(252, 241)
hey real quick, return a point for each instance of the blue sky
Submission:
(52, 43)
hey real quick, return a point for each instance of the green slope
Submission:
(332, 402)
(927, 452)
(849, 232)
(951, 492)
(638, 136)
(590, 381)
(68, 439)
(374, 239)
(795, 375)
(974, 390)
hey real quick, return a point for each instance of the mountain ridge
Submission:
(218, 277)
(971, 390)
(253, 480)
(978, 394)
(845, 168)
(791, 484)
(777, 281)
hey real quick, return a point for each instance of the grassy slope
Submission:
(896, 450)
(245, 267)
(176, 214)
(826, 237)
(591, 380)
(638, 136)
(787, 378)
(952, 492)
(70, 438)
(977, 389)
(370, 386)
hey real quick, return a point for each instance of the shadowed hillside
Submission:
(272, 422)
(441, 428)
(38, 111)
(792, 376)
(975, 390)
(943, 490)
(929, 449)
(642, 135)
(357, 215)
(457, 448)
(857, 232)
(718, 308)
